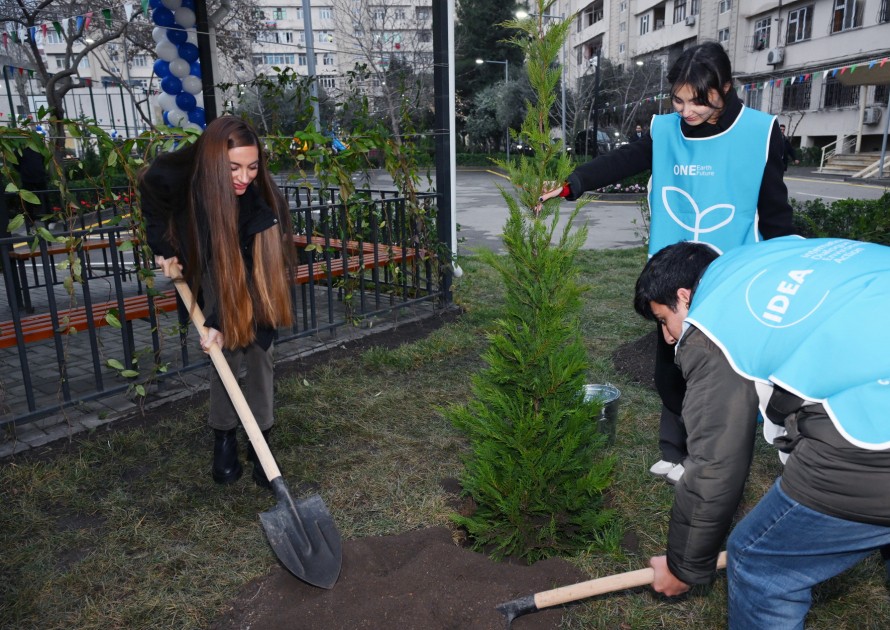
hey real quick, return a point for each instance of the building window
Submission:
(847, 15)
(399, 13)
(279, 13)
(836, 95)
(644, 25)
(880, 97)
(301, 59)
(324, 37)
(761, 33)
(679, 11)
(424, 37)
(693, 7)
(723, 6)
(723, 35)
(379, 14)
(421, 14)
(52, 37)
(752, 98)
(60, 63)
(326, 13)
(621, 48)
(885, 11)
(140, 61)
(327, 82)
(328, 59)
(800, 24)
(622, 6)
(796, 97)
(274, 59)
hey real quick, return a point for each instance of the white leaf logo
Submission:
(701, 216)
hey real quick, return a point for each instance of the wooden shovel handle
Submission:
(228, 379)
(621, 581)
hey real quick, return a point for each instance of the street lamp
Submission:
(522, 14)
(663, 62)
(506, 81)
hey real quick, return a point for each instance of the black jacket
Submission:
(825, 472)
(164, 192)
(774, 210)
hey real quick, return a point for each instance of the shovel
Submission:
(582, 590)
(302, 534)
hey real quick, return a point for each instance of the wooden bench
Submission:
(21, 254)
(40, 327)
(362, 256)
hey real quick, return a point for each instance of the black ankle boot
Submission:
(226, 467)
(259, 475)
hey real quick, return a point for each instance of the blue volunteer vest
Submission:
(700, 190)
(809, 315)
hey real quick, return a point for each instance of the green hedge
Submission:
(858, 219)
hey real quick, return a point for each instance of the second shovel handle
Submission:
(619, 582)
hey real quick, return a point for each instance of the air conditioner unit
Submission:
(690, 20)
(871, 115)
(775, 56)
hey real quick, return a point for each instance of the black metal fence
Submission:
(64, 342)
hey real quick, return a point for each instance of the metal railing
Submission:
(371, 256)
(831, 149)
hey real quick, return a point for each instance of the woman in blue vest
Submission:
(716, 178)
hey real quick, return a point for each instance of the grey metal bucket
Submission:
(608, 395)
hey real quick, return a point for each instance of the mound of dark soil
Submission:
(420, 580)
(636, 359)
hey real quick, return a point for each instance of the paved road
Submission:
(482, 211)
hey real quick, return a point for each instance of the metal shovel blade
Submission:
(303, 536)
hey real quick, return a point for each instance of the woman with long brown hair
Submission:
(213, 210)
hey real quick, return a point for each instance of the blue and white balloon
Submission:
(178, 66)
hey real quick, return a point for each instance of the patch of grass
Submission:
(125, 529)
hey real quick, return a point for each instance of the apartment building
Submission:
(376, 33)
(345, 33)
(822, 66)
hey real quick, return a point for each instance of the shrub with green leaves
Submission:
(857, 219)
(537, 469)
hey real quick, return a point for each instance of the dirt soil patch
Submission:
(418, 580)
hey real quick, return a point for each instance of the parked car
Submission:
(584, 140)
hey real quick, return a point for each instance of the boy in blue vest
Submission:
(793, 328)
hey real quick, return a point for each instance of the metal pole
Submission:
(310, 62)
(562, 17)
(92, 101)
(9, 94)
(661, 86)
(506, 83)
(884, 139)
(124, 109)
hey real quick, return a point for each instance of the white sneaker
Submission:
(675, 474)
(662, 468)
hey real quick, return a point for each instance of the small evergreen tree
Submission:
(536, 470)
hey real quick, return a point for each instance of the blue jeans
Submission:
(780, 550)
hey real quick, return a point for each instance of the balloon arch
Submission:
(177, 66)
